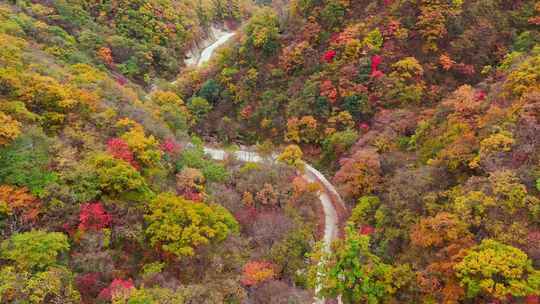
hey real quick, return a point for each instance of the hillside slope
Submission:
(140, 40)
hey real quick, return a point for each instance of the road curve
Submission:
(310, 174)
(207, 53)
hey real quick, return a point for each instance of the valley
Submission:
(269, 151)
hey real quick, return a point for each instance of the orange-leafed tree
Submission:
(19, 204)
(105, 55)
(360, 174)
(328, 90)
(294, 56)
(257, 272)
(446, 62)
(442, 239)
(9, 128)
(302, 130)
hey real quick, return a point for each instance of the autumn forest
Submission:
(269, 151)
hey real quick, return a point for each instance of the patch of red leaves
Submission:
(329, 56)
(89, 284)
(375, 62)
(366, 230)
(119, 149)
(170, 147)
(117, 286)
(93, 217)
(480, 96)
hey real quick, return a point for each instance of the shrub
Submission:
(199, 107)
(194, 158)
(54, 283)
(210, 91)
(338, 143)
(364, 210)
(524, 77)
(374, 40)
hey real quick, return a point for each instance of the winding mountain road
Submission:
(217, 36)
(209, 51)
(310, 174)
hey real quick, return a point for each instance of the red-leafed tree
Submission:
(532, 299)
(329, 55)
(193, 196)
(89, 285)
(119, 148)
(117, 288)
(375, 62)
(364, 127)
(366, 230)
(93, 217)
(465, 69)
(246, 216)
(480, 96)
(246, 111)
(170, 147)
